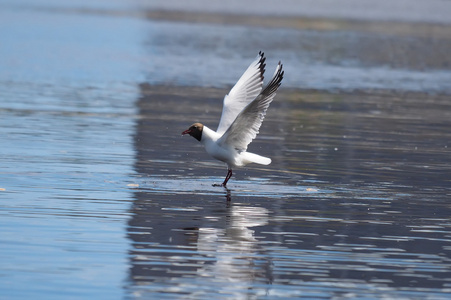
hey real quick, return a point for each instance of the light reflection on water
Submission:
(293, 247)
(102, 198)
(64, 198)
(340, 228)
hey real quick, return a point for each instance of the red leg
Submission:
(229, 174)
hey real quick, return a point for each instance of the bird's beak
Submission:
(188, 131)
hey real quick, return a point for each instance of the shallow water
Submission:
(100, 196)
(355, 203)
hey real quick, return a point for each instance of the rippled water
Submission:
(356, 204)
(100, 196)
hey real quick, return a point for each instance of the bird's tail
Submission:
(255, 158)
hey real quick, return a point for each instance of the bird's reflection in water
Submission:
(238, 258)
(222, 252)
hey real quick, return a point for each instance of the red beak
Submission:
(186, 132)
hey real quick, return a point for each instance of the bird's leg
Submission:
(229, 174)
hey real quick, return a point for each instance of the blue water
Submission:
(65, 197)
(100, 197)
(66, 120)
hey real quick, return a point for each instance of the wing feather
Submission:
(247, 124)
(245, 90)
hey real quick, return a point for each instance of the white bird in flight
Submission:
(242, 115)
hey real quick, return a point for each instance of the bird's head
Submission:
(195, 131)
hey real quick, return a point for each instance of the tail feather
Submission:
(255, 158)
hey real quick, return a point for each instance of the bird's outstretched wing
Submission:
(245, 90)
(246, 125)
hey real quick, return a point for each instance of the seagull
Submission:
(244, 109)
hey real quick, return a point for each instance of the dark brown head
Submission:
(195, 131)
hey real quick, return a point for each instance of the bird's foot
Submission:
(217, 184)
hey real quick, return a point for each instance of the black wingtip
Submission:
(262, 57)
(262, 64)
(281, 72)
(276, 81)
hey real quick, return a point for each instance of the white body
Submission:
(227, 153)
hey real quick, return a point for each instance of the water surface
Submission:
(100, 196)
(355, 203)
